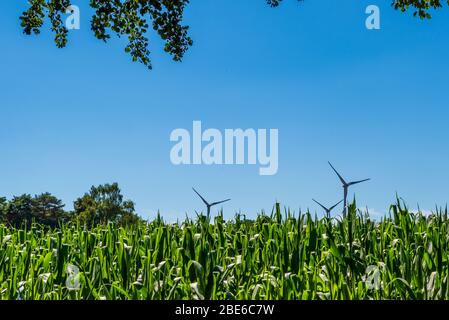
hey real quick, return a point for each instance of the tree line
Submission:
(101, 205)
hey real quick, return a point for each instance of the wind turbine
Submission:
(328, 210)
(210, 205)
(346, 186)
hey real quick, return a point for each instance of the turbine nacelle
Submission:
(327, 210)
(346, 186)
(343, 181)
(209, 205)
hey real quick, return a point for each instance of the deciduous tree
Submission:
(103, 204)
(133, 18)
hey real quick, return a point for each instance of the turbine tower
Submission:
(346, 186)
(209, 205)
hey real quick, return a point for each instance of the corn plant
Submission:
(274, 257)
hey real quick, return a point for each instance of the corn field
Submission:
(274, 257)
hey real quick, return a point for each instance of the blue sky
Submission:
(372, 102)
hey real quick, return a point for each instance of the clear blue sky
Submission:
(375, 103)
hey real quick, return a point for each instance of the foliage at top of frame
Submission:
(132, 19)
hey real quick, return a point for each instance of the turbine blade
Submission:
(204, 200)
(332, 208)
(325, 209)
(219, 202)
(339, 176)
(357, 182)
